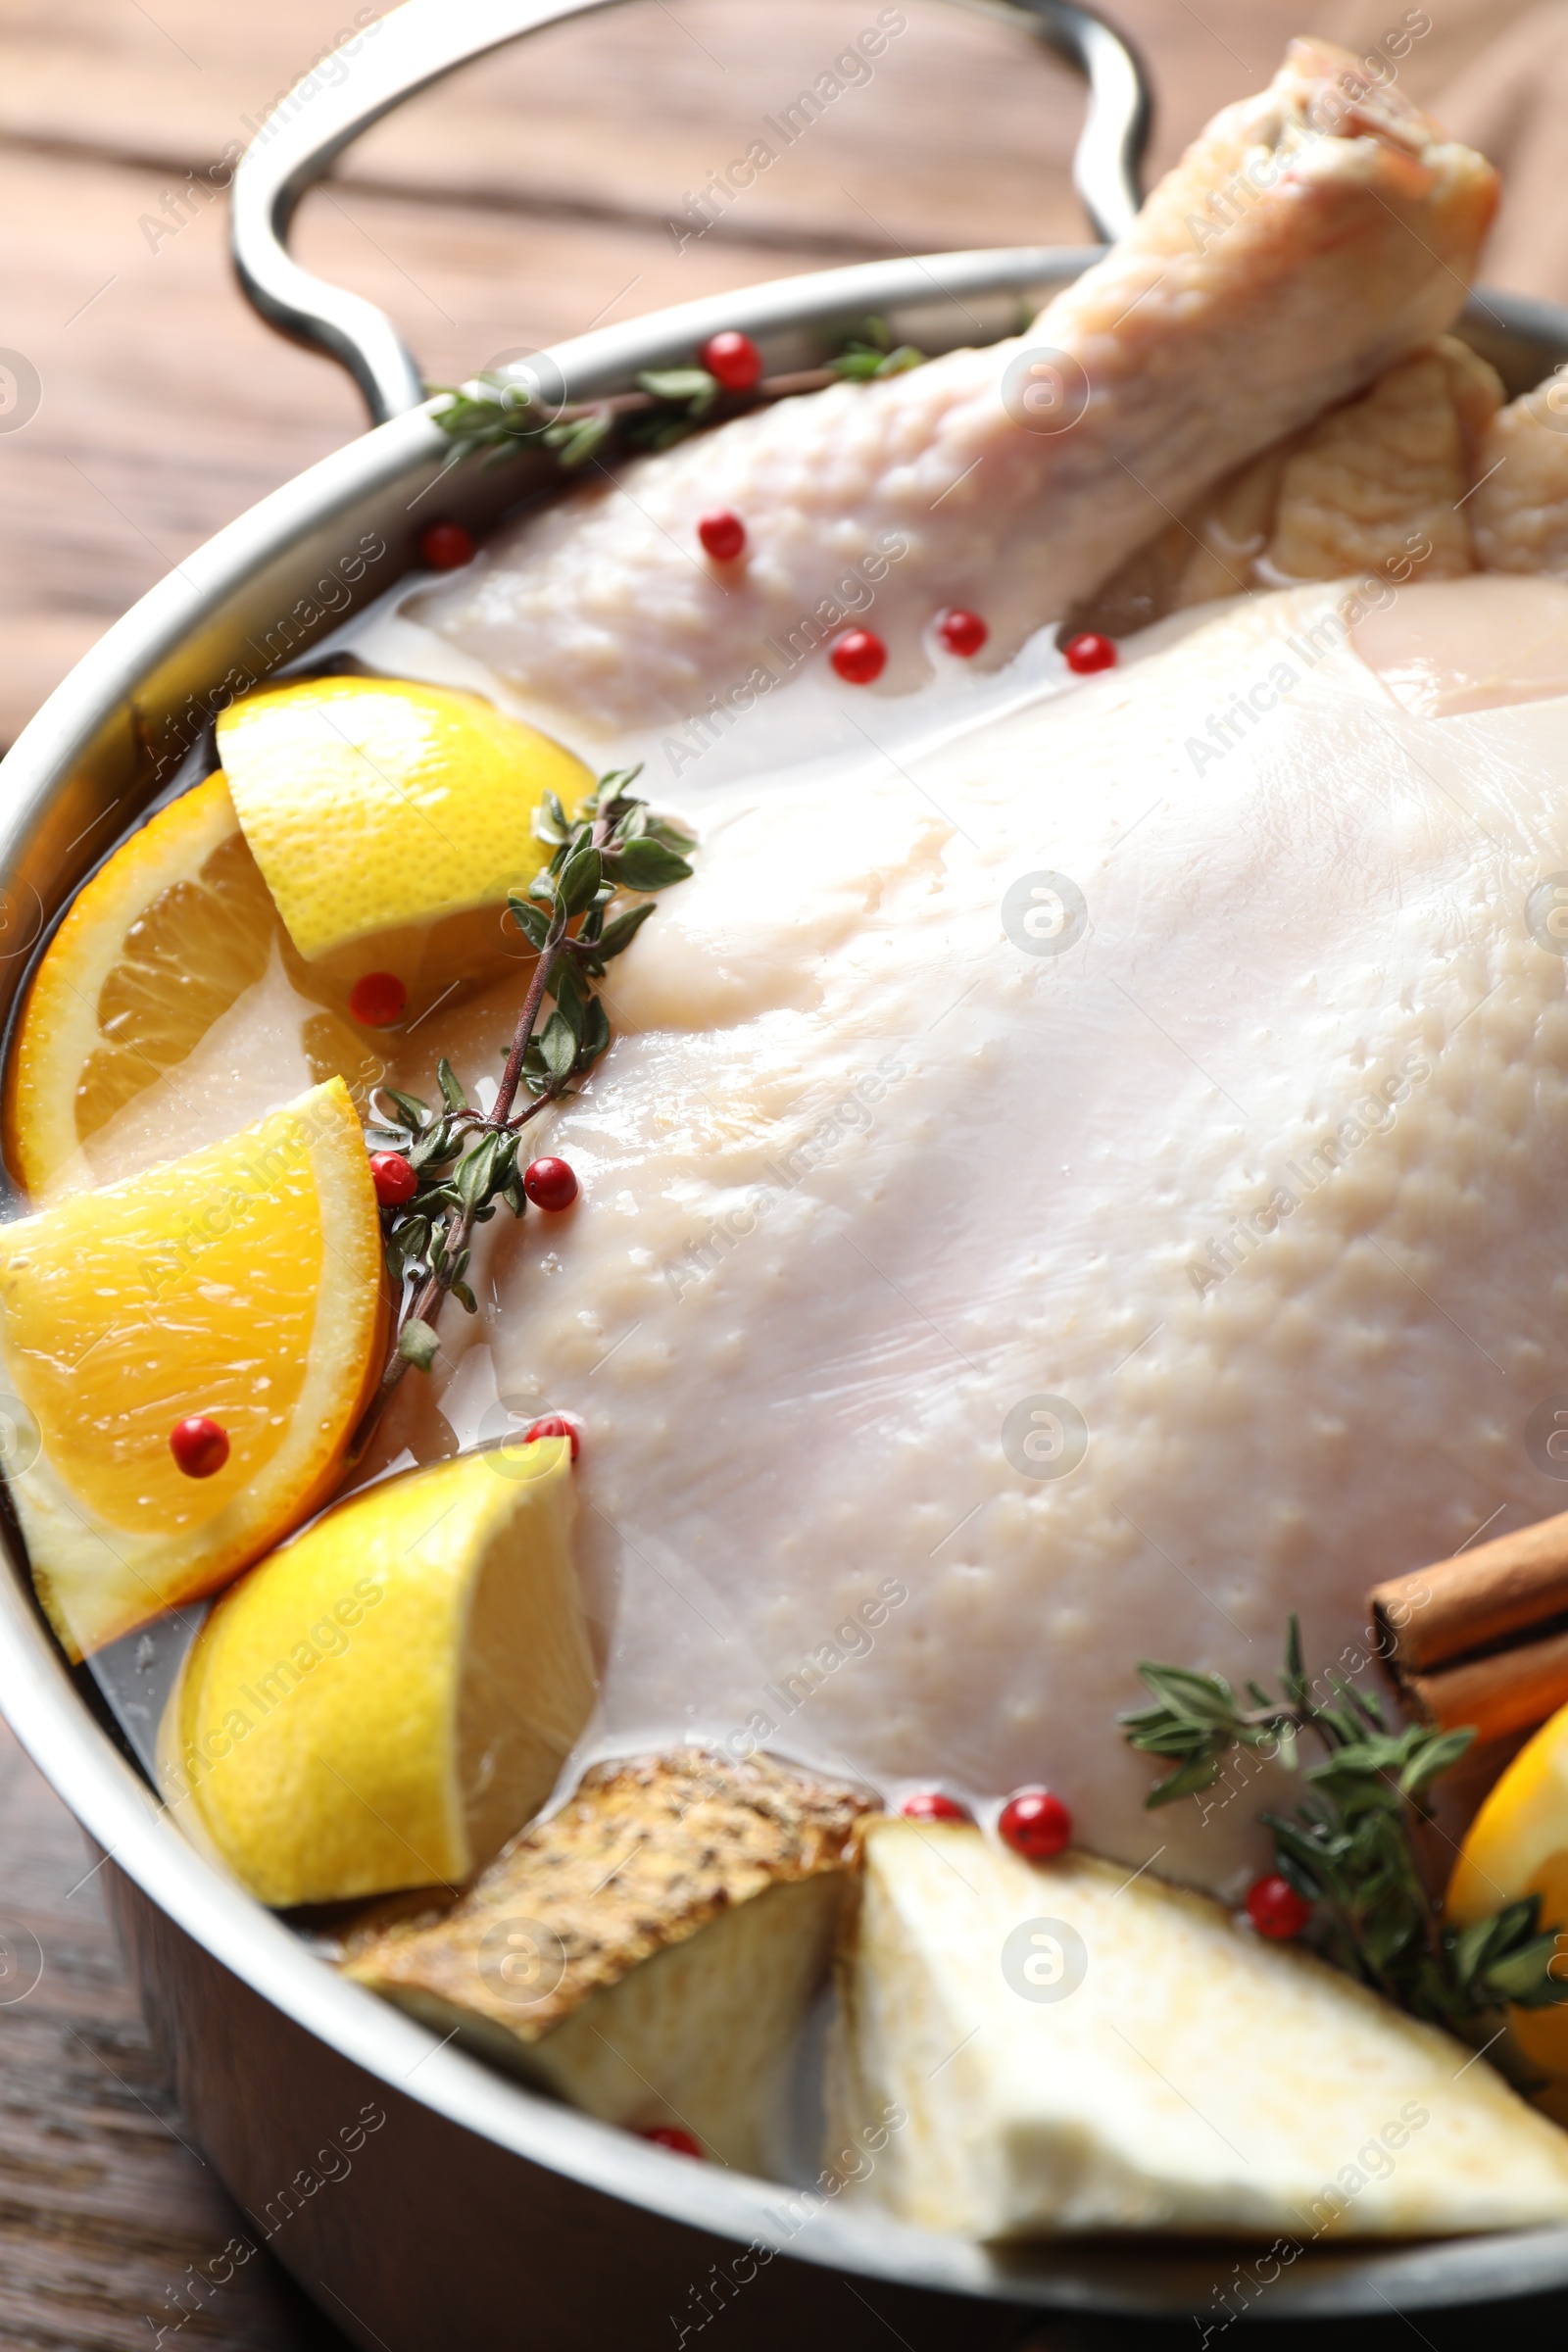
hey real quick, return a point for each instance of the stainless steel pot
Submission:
(419, 2197)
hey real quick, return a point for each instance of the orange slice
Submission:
(158, 945)
(245, 1282)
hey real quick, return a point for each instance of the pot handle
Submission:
(414, 45)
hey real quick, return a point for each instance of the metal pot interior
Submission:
(129, 728)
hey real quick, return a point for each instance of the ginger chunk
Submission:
(1075, 2049)
(650, 1951)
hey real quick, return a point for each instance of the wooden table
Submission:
(524, 202)
(104, 2203)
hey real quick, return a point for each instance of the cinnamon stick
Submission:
(1482, 1639)
(1509, 1692)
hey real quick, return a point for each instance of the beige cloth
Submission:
(1511, 101)
(1493, 72)
(1496, 76)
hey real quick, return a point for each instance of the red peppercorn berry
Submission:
(962, 634)
(672, 2136)
(733, 357)
(555, 1425)
(723, 535)
(929, 1804)
(1088, 652)
(859, 657)
(379, 1000)
(1275, 1909)
(444, 546)
(199, 1446)
(550, 1184)
(393, 1177)
(1035, 1824)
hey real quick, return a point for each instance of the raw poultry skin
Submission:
(861, 1175)
(1257, 1174)
(1521, 501)
(1386, 477)
(1315, 234)
(1385, 482)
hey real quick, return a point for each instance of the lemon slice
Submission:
(157, 946)
(381, 1704)
(244, 1282)
(1518, 1846)
(390, 820)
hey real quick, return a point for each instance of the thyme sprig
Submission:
(668, 403)
(1353, 1846)
(466, 1160)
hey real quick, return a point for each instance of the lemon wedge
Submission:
(244, 1282)
(390, 820)
(166, 937)
(1517, 1846)
(383, 1701)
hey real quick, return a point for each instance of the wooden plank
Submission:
(621, 114)
(961, 133)
(105, 2210)
(166, 409)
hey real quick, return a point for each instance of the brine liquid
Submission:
(1073, 1181)
(268, 1048)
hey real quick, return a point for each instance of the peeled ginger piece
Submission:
(1079, 2050)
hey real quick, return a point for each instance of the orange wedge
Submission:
(159, 945)
(244, 1282)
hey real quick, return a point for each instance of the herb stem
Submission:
(666, 405)
(607, 849)
(549, 955)
(425, 1304)
(761, 395)
(1358, 1843)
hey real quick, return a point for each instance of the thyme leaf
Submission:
(468, 1163)
(1353, 1846)
(668, 403)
